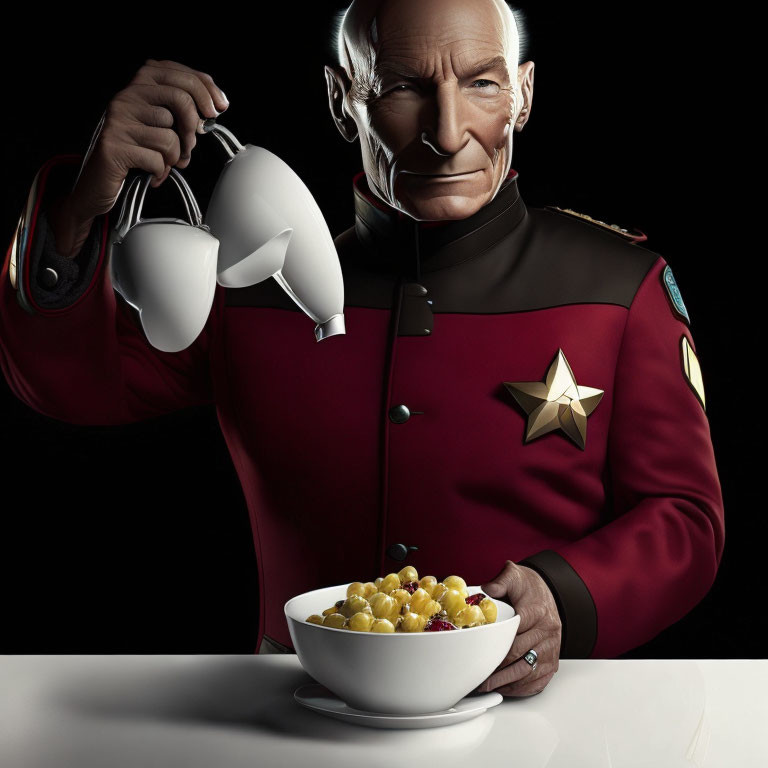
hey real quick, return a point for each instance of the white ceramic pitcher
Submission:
(269, 224)
(164, 267)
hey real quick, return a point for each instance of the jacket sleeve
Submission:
(82, 357)
(658, 553)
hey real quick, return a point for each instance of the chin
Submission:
(444, 207)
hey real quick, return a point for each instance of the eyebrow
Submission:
(498, 63)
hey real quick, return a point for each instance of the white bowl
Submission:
(403, 673)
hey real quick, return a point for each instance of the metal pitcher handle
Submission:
(231, 145)
(133, 202)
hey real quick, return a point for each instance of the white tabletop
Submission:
(227, 711)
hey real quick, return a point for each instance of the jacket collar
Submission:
(394, 242)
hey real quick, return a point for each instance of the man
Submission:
(517, 393)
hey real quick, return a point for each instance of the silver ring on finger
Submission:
(532, 658)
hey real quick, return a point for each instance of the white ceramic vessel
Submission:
(405, 673)
(164, 267)
(270, 225)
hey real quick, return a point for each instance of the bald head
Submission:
(357, 35)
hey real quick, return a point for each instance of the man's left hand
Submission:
(539, 628)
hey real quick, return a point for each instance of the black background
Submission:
(136, 539)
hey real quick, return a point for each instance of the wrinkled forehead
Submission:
(376, 29)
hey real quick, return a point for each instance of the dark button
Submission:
(399, 414)
(49, 278)
(399, 551)
(414, 289)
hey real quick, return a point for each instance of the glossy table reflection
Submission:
(227, 711)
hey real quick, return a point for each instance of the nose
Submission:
(431, 145)
(447, 134)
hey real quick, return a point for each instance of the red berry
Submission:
(475, 599)
(410, 586)
(438, 625)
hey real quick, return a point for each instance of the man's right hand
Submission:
(151, 124)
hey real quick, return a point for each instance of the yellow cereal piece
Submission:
(382, 625)
(411, 623)
(457, 583)
(353, 604)
(356, 588)
(439, 590)
(489, 609)
(402, 596)
(391, 581)
(427, 583)
(452, 601)
(361, 622)
(419, 600)
(383, 606)
(469, 616)
(409, 573)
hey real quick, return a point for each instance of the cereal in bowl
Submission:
(401, 602)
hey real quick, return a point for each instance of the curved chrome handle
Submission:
(131, 208)
(224, 135)
(133, 202)
(193, 209)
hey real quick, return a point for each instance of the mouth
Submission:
(444, 176)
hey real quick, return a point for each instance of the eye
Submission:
(399, 88)
(483, 86)
(488, 87)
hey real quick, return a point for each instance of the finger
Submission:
(531, 613)
(527, 687)
(150, 115)
(498, 585)
(509, 674)
(529, 682)
(183, 107)
(189, 82)
(509, 585)
(149, 160)
(163, 140)
(546, 645)
(133, 109)
(215, 94)
(534, 639)
(546, 651)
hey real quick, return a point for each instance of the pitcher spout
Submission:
(331, 327)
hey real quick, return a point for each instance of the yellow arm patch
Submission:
(692, 370)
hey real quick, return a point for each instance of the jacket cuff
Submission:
(55, 281)
(48, 283)
(575, 605)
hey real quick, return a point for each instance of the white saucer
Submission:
(320, 699)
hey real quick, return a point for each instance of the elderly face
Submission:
(432, 89)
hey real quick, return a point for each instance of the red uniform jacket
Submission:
(340, 479)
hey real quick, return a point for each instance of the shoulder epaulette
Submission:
(636, 236)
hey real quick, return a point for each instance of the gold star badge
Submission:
(556, 403)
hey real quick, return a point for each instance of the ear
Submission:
(525, 80)
(338, 87)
